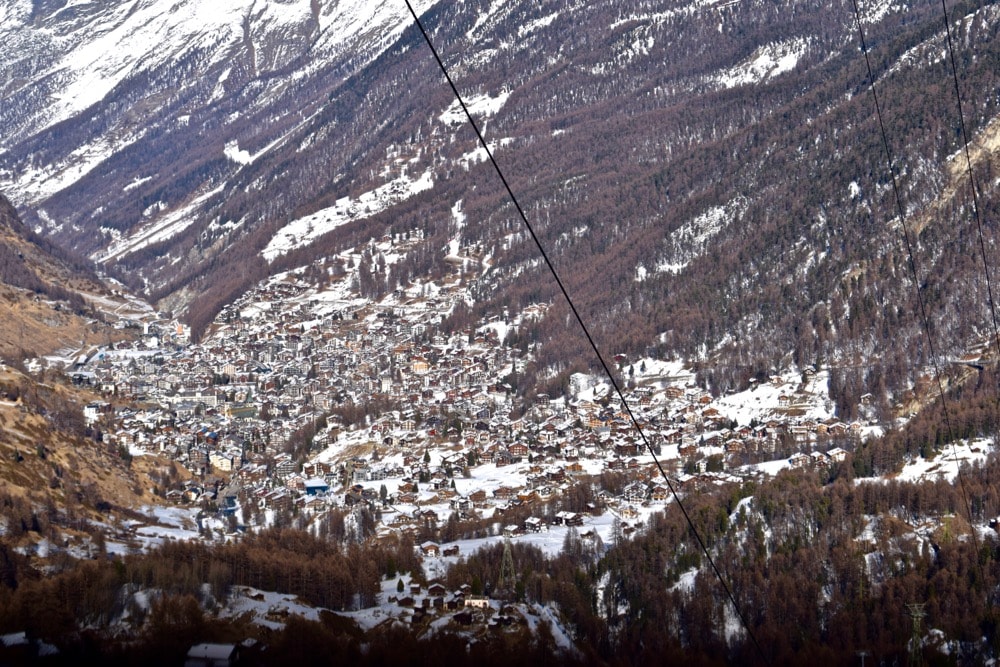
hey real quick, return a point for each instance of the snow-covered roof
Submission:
(211, 651)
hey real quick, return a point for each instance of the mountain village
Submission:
(430, 432)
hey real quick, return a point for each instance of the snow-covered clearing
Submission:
(947, 463)
(808, 399)
(767, 62)
(304, 231)
(478, 105)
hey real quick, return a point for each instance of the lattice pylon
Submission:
(917, 613)
(508, 577)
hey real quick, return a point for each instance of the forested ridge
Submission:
(694, 208)
(810, 587)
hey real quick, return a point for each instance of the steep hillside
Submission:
(49, 457)
(709, 177)
(50, 301)
(54, 305)
(32, 263)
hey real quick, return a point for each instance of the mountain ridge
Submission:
(717, 165)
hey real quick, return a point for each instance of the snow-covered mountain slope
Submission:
(86, 82)
(142, 107)
(65, 57)
(709, 171)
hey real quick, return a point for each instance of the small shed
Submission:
(212, 655)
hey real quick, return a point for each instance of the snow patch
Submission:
(946, 464)
(690, 239)
(531, 27)
(766, 63)
(235, 154)
(495, 7)
(876, 11)
(51, 178)
(137, 182)
(303, 231)
(162, 229)
(478, 105)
